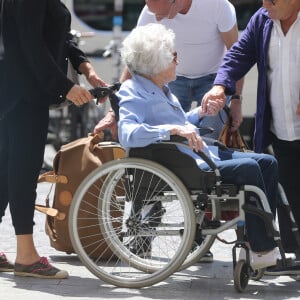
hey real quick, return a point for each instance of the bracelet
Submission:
(237, 97)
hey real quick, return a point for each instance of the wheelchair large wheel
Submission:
(132, 222)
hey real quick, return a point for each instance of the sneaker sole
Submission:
(59, 275)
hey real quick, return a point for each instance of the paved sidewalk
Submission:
(201, 281)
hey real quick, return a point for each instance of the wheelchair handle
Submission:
(103, 91)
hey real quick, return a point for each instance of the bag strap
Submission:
(51, 177)
(231, 139)
(96, 139)
(50, 211)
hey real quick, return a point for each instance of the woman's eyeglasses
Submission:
(175, 57)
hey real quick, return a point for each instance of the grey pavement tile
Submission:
(200, 281)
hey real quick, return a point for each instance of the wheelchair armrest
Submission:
(205, 130)
(175, 139)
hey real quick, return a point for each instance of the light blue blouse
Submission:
(147, 114)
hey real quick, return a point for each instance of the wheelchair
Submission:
(150, 207)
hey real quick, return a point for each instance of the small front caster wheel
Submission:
(241, 275)
(258, 274)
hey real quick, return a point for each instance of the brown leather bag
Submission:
(230, 139)
(72, 163)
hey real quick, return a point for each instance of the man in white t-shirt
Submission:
(204, 29)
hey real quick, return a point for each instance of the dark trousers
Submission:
(260, 170)
(288, 156)
(23, 134)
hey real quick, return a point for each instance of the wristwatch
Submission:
(238, 97)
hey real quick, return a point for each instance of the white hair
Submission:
(147, 50)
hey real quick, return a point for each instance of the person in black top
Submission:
(38, 46)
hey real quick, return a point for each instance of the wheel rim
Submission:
(122, 268)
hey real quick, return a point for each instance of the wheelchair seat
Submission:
(181, 164)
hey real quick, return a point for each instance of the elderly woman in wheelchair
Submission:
(150, 114)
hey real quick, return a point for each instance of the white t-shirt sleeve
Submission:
(146, 17)
(226, 16)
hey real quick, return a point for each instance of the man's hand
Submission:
(213, 99)
(108, 122)
(91, 76)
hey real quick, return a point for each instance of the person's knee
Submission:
(269, 160)
(249, 172)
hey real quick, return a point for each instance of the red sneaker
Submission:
(5, 264)
(40, 269)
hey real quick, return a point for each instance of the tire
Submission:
(241, 276)
(116, 196)
(258, 274)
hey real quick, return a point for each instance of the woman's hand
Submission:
(108, 122)
(79, 95)
(188, 131)
(92, 77)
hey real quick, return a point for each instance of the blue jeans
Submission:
(260, 170)
(189, 90)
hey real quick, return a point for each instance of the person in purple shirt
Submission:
(272, 41)
(150, 113)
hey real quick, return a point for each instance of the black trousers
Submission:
(23, 134)
(288, 156)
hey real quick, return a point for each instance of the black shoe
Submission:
(140, 246)
(278, 271)
(154, 214)
(208, 257)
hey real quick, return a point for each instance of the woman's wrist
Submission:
(111, 112)
(174, 131)
(200, 112)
